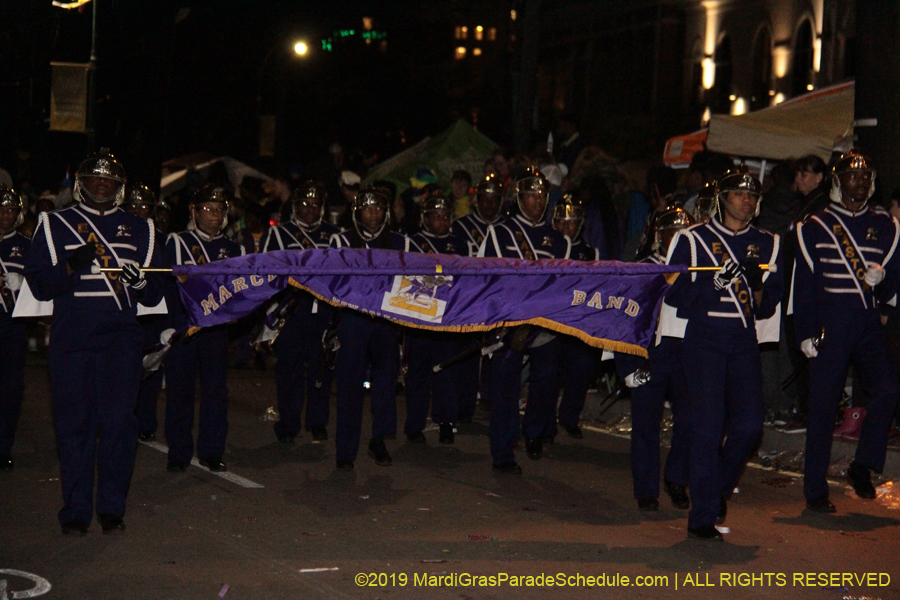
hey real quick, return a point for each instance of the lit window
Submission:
(460, 52)
(492, 34)
(732, 97)
(810, 87)
(458, 33)
(367, 23)
(479, 33)
(779, 98)
(512, 15)
(476, 51)
(465, 32)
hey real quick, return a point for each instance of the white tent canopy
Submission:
(174, 175)
(807, 124)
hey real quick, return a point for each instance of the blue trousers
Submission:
(94, 361)
(469, 375)
(299, 351)
(151, 384)
(148, 396)
(726, 399)
(423, 386)
(12, 378)
(207, 353)
(667, 381)
(853, 337)
(504, 384)
(580, 361)
(366, 343)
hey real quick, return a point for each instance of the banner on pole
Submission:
(68, 96)
(608, 305)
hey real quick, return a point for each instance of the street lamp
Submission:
(271, 126)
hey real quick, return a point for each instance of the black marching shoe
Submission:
(861, 480)
(706, 532)
(213, 464)
(176, 466)
(6, 462)
(648, 504)
(378, 451)
(723, 511)
(574, 431)
(319, 433)
(111, 524)
(534, 448)
(345, 465)
(75, 528)
(508, 468)
(821, 505)
(446, 435)
(678, 494)
(415, 438)
(147, 436)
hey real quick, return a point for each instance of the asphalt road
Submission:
(427, 527)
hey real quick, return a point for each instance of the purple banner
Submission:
(609, 305)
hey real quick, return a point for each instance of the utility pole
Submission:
(91, 129)
(526, 103)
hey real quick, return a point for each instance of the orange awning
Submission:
(682, 148)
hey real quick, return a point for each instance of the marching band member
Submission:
(429, 348)
(96, 343)
(525, 236)
(666, 381)
(207, 351)
(367, 341)
(472, 228)
(579, 359)
(13, 248)
(299, 345)
(846, 266)
(141, 201)
(723, 309)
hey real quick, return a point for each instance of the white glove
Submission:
(14, 281)
(807, 347)
(165, 336)
(728, 274)
(133, 277)
(874, 274)
(639, 377)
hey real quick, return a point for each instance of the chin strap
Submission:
(79, 192)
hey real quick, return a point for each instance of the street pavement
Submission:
(429, 526)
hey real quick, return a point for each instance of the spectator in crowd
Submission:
(336, 210)
(601, 223)
(460, 184)
(705, 167)
(571, 143)
(809, 173)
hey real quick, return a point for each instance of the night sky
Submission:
(168, 88)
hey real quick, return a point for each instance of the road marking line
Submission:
(227, 475)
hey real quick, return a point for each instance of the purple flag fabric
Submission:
(609, 305)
